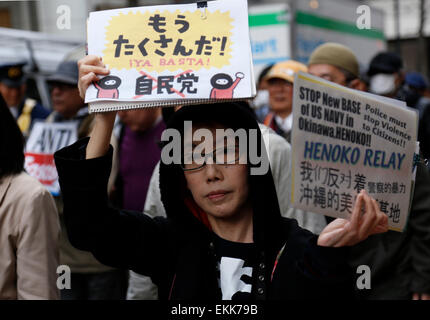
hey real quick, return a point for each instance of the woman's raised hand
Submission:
(89, 68)
(343, 232)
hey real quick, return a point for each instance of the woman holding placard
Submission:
(224, 237)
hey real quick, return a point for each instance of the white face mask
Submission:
(382, 83)
(261, 99)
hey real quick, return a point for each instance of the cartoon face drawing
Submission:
(109, 82)
(108, 87)
(223, 85)
(221, 81)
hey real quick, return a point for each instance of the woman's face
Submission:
(221, 190)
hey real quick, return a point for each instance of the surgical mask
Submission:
(261, 99)
(383, 83)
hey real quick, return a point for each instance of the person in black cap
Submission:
(417, 86)
(386, 77)
(13, 88)
(66, 102)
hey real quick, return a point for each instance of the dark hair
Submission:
(240, 116)
(102, 82)
(264, 72)
(262, 191)
(219, 76)
(11, 143)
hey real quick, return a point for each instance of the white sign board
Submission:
(173, 54)
(44, 140)
(343, 141)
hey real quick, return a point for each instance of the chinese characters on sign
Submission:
(170, 40)
(345, 141)
(171, 54)
(327, 182)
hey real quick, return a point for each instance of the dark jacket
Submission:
(38, 112)
(177, 252)
(400, 261)
(424, 133)
(30, 111)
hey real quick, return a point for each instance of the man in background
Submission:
(399, 261)
(280, 84)
(280, 81)
(13, 89)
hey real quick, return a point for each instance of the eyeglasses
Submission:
(226, 155)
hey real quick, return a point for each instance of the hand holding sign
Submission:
(169, 55)
(101, 134)
(89, 67)
(344, 141)
(342, 232)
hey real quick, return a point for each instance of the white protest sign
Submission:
(173, 54)
(44, 140)
(343, 141)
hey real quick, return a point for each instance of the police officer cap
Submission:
(12, 74)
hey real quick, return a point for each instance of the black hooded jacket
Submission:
(178, 252)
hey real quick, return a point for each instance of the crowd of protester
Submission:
(130, 227)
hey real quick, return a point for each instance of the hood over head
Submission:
(177, 199)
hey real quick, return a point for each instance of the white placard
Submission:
(173, 54)
(345, 140)
(44, 140)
